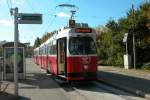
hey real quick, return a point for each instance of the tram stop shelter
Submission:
(8, 64)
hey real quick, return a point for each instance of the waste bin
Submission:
(8, 54)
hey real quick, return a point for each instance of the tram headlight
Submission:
(85, 67)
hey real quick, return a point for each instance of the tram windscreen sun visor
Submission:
(83, 30)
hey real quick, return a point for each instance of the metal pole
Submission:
(134, 51)
(134, 38)
(15, 51)
(126, 47)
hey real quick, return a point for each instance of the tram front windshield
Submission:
(82, 46)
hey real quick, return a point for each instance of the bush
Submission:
(146, 66)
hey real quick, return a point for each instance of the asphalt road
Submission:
(41, 86)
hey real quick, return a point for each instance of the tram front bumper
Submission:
(82, 76)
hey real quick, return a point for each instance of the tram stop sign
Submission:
(27, 18)
(125, 39)
(72, 23)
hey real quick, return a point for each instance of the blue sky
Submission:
(93, 12)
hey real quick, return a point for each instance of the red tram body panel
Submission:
(79, 69)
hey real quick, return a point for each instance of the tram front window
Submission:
(82, 46)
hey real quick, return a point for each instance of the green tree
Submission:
(110, 44)
(37, 42)
(110, 39)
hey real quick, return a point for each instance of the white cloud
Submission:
(14, 2)
(2, 1)
(18, 1)
(6, 22)
(62, 14)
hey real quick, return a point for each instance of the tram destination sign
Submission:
(27, 18)
(83, 30)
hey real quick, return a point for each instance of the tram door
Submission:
(61, 56)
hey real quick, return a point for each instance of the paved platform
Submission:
(37, 86)
(133, 81)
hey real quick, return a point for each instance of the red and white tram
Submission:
(70, 54)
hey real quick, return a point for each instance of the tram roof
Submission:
(36, 48)
(63, 32)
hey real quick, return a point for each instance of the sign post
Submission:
(21, 18)
(134, 51)
(15, 50)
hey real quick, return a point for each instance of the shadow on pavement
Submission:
(7, 96)
(38, 80)
(139, 84)
(64, 85)
(43, 81)
(92, 87)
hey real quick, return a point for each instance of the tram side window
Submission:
(34, 53)
(52, 49)
(55, 49)
(45, 50)
(42, 51)
(49, 49)
(39, 51)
